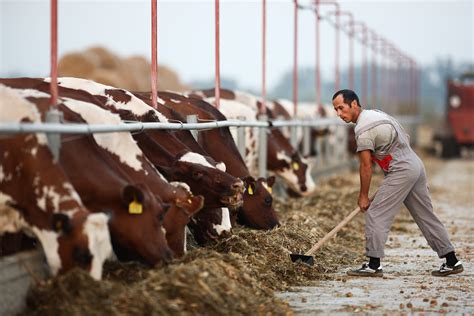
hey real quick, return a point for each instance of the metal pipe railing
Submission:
(15, 128)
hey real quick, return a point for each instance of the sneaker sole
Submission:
(370, 275)
(441, 274)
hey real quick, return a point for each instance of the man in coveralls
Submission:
(380, 138)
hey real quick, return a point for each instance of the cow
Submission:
(176, 161)
(284, 108)
(167, 152)
(257, 210)
(36, 196)
(136, 213)
(282, 159)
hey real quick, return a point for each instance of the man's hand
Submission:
(364, 202)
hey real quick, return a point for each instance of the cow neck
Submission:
(218, 143)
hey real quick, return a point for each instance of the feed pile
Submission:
(235, 276)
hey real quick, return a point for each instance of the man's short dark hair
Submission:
(347, 95)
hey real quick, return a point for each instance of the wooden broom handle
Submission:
(335, 229)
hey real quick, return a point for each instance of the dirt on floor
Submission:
(241, 273)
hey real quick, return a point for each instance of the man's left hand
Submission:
(364, 203)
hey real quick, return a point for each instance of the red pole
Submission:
(218, 71)
(264, 43)
(364, 62)
(295, 58)
(53, 85)
(318, 61)
(384, 76)
(373, 79)
(338, 74)
(318, 57)
(337, 81)
(154, 55)
(351, 45)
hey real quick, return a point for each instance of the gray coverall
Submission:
(405, 181)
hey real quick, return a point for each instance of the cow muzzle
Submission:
(233, 201)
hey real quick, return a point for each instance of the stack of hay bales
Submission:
(130, 73)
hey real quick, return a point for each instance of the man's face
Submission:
(347, 112)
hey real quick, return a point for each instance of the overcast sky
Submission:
(425, 30)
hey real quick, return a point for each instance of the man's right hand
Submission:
(364, 203)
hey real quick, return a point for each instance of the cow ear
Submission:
(271, 181)
(61, 223)
(249, 180)
(295, 156)
(132, 193)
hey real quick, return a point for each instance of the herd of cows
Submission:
(132, 195)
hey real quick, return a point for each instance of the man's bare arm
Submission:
(365, 171)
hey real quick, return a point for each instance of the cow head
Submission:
(295, 171)
(219, 188)
(83, 241)
(210, 224)
(137, 227)
(177, 218)
(257, 210)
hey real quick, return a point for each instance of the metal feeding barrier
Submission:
(327, 150)
(54, 129)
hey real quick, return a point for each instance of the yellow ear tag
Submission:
(296, 166)
(249, 190)
(135, 207)
(269, 190)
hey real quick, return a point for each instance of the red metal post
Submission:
(373, 76)
(218, 71)
(318, 57)
(53, 85)
(264, 45)
(364, 78)
(351, 45)
(337, 82)
(154, 54)
(384, 77)
(295, 57)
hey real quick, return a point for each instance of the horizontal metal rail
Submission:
(72, 128)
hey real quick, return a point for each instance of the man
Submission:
(380, 138)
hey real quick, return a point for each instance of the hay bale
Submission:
(105, 58)
(132, 73)
(107, 77)
(76, 65)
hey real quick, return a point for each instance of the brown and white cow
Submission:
(37, 196)
(168, 153)
(257, 210)
(283, 160)
(284, 108)
(202, 174)
(96, 167)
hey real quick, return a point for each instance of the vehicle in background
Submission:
(458, 130)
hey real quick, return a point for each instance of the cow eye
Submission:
(82, 256)
(161, 217)
(268, 200)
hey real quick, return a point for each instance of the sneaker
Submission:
(445, 270)
(366, 271)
